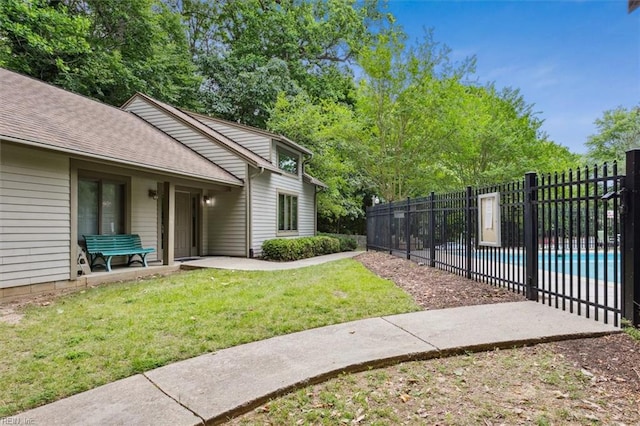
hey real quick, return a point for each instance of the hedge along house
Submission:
(71, 166)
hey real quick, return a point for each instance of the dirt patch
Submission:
(527, 386)
(12, 312)
(613, 360)
(9, 315)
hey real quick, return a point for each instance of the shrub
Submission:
(346, 243)
(326, 245)
(287, 249)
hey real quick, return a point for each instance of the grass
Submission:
(633, 332)
(107, 333)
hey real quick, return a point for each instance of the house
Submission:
(188, 184)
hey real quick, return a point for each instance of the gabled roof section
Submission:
(256, 130)
(38, 114)
(247, 155)
(310, 179)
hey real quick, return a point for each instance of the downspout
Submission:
(305, 162)
(249, 251)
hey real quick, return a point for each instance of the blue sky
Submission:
(572, 59)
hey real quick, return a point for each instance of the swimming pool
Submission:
(583, 264)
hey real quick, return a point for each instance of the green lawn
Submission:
(103, 334)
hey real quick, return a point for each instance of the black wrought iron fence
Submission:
(570, 240)
(579, 259)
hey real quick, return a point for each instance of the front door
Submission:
(183, 241)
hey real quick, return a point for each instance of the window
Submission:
(100, 207)
(288, 161)
(287, 213)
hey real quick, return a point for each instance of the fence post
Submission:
(432, 230)
(531, 236)
(390, 227)
(368, 226)
(631, 239)
(468, 230)
(407, 228)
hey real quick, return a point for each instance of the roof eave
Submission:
(50, 147)
(294, 145)
(252, 129)
(310, 179)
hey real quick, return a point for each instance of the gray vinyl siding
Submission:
(34, 216)
(226, 223)
(255, 142)
(144, 214)
(307, 210)
(189, 137)
(264, 207)
(226, 219)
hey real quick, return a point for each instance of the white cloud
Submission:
(538, 76)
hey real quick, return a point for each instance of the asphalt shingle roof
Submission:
(36, 113)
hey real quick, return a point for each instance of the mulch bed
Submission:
(614, 360)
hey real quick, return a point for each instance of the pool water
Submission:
(606, 263)
(569, 263)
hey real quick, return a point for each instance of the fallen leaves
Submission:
(433, 288)
(405, 398)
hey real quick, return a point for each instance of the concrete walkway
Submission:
(213, 387)
(244, 264)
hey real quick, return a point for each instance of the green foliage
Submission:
(618, 132)
(411, 124)
(346, 243)
(498, 141)
(288, 249)
(244, 88)
(105, 49)
(40, 39)
(632, 331)
(426, 129)
(258, 48)
(416, 126)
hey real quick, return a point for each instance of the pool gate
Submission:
(570, 239)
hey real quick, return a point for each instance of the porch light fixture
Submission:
(153, 194)
(207, 200)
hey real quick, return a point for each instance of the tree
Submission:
(429, 130)
(261, 47)
(403, 102)
(618, 132)
(245, 88)
(497, 138)
(106, 49)
(42, 40)
(200, 22)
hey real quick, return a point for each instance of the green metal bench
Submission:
(105, 247)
